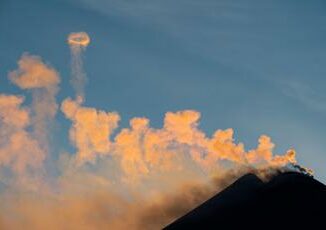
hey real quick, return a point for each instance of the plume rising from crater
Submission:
(129, 178)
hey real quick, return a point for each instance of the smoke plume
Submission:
(138, 177)
(78, 43)
(42, 80)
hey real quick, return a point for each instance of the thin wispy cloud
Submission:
(306, 95)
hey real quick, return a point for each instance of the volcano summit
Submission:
(289, 200)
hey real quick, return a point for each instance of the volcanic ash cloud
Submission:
(78, 43)
(135, 177)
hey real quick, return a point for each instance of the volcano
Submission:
(289, 200)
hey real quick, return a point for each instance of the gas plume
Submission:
(78, 43)
(138, 177)
(42, 80)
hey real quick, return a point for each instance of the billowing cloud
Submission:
(90, 129)
(33, 74)
(141, 150)
(19, 151)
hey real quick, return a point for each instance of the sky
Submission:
(255, 66)
(140, 110)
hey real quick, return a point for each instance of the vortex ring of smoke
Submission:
(79, 39)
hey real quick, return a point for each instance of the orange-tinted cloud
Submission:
(33, 73)
(138, 177)
(18, 149)
(42, 80)
(141, 150)
(91, 129)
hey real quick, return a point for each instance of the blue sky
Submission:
(256, 66)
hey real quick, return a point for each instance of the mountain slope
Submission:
(287, 200)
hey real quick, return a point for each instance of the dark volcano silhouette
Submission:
(288, 200)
